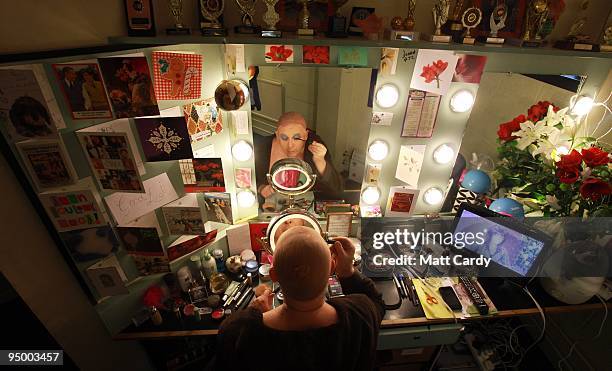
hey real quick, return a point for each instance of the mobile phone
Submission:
(450, 297)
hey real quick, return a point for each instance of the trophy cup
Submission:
(440, 16)
(248, 12)
(271, 18)
(576, 39)
(470, 19)
(454, 27)
(537, 13)
(607, 40)
(497, 21)
(210, 10)
(406, 32)
(304, 20)
(336, 24)
(176, 9)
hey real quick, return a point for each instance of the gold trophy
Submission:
(470, 19)
(440, 16)
(304, 20)
(454, 27)
(271, 18)
(406, 31)
(176, 9)
(247, 7)
(210, 10)
(576, 39)
(537, 13)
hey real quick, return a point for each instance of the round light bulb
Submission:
(582, 106)
(387, 95)
(378, 150)
(245, 198)
(462, 101)
(562, 150)
(242, 151)
(370, 195)
(433, 196)
(444, 154)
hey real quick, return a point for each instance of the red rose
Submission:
(593, 189)
(595, 157)
(506, 129)
(429, 74)
(573, 160)
(568, 175)
(440, 66)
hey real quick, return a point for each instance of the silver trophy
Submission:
(210, 10)
(440, 16)
(497, 21)
(270, 18)
(247, 8)
(470, 19)
(176, 9)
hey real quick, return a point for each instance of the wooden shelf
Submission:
(292, 39)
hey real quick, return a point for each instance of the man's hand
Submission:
(318, 151)
(263, 302)
(266, 191)
(343, 252)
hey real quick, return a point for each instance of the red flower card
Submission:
(177, 75)
(279, 54)
(433, 71)
(313, 54)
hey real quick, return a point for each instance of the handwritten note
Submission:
(126, 207)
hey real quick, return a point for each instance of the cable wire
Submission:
(540, 337)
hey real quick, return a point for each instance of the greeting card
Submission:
(388, 61)
(81, 84)
(47, 163)
(433, 71)
(401, 201)
(409, 164)
(279, 53)
(315, 54)
(208, 175)
(188, 244)
(24, 104)
(129, 86)
(469, 68)
(218, 207)
(352, 56)
(234, 58)
(184, 216)
(177, 75)
(164, 138)
(73, 210)
(203, 119)
(108, 277)
(382, 118)
(372, 173)
(144, 246)
(243, 177)
(91, 243)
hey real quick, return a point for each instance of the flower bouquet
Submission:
(551, 170)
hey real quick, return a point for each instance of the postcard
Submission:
(126, 207)
(83, 90)
(388, 61)
(111, 160)
(203, 119)
(352, 56)
(234, 58)
(24, 104)
(433, 71)
(184, 216)
(240, 119)
(47, 163)
(208, 175)
(401, 201)
(243, 177)
(218, 207)
(186, 245)
(73, 210)
(145, 247)
(409, 164)
(177, 75)
(279, 54)
(164, 138)
(315, 54)
(108, 277)
(469, 68)
(382, 118)
(129, 86)
(91, 243)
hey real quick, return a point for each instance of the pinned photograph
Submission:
(47, 163)
(388, 61)
(218, 207)
(433, 71)
(177, 75)
(164, 138)
(279, 54)
(83, 90)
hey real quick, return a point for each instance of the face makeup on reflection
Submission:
(292, 139)
(286, 226)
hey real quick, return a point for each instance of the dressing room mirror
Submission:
(319, 115)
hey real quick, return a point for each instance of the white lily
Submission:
(553, 118)
(553, 202)
(550, 145)
(530, 133)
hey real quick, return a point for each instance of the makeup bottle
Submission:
(209, 265)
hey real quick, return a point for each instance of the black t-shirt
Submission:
(245, 343)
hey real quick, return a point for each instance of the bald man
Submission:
(292, 139)
(306, 332)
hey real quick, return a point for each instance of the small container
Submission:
(209, 265)
(264, 272)
(218, 283)
(196, 263)
(252, 267)
(156, 317)
(204, 311)
(218, 314)
(220, 259)
(213, 301)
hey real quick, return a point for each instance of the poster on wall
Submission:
(218, 207)
(24, 105)
(409, 164)
(73, 210)
(81, 84)
(203, 119)
(91, 243)
(111, 160)
(433, 71)
(164, 138)
(177, 75)
(47, 163)
(401, 201)
(129, 86)
(144, 246)
(421, 113)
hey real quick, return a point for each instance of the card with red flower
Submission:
(315, 54)
(279, 54)
(433, 71)
(177, 75)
